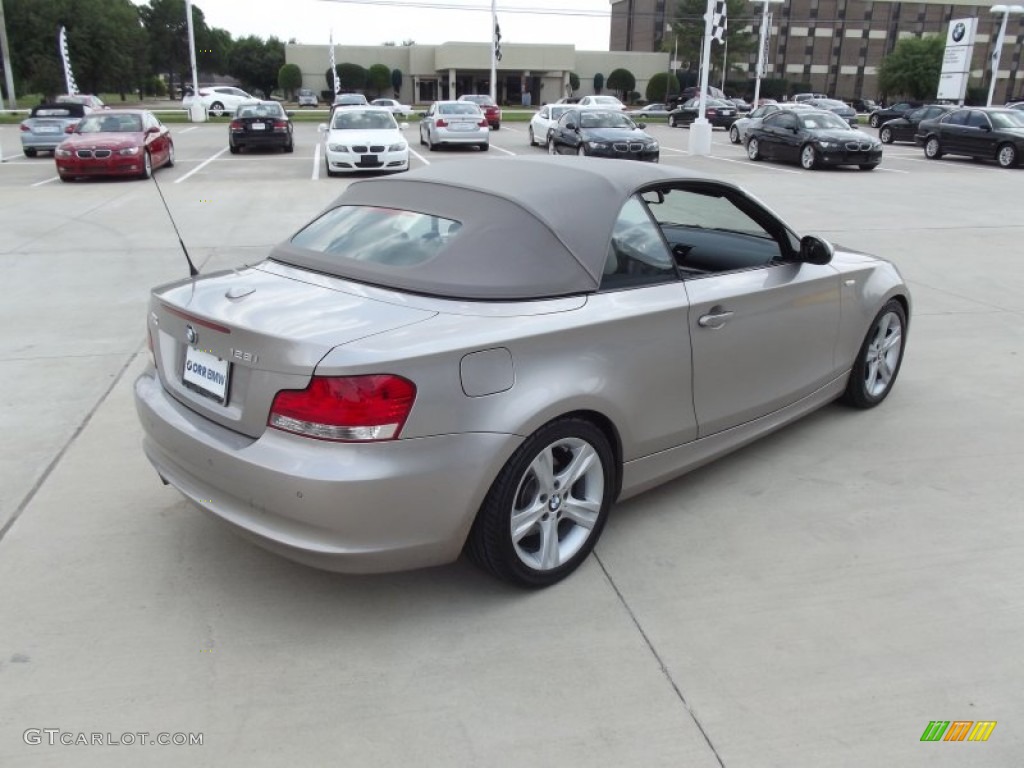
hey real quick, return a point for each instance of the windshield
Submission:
(111, 124)
(823, 120)
(605, 120)
(1007, 119)
(261, 110)
(358, 120)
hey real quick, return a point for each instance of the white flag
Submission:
(69, 78)
(719, 22)
(334, 71)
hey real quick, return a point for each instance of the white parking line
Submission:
(670, 149)
(202, 165)
(189, 129)
(891, 170)
(514, 130)
(418, 156)
(316, 163)
(749, 164)
(47, 181)
(507, 152)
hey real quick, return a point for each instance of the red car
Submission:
(491, 110)
(122, 142)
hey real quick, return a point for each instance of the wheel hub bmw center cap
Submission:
(555, 503)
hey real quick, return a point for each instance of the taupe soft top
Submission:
(531, 227)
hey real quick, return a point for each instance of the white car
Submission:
(455, 122)
(604, 102)
(364, 139)
(545, 120)
(397, 108)
(218, 99)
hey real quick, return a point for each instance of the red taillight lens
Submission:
(236, 125)
(712, 111)
(345, 408)
(483, 123)
(25, 127)
(280, 125)
(441, 123)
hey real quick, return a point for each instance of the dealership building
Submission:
(526, 74)
(836, 46)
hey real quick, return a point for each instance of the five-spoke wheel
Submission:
(878, 362)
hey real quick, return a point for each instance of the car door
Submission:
(763, 327)
(978, 137)
(775, 131)
(951, 131)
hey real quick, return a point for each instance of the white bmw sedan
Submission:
(545, 120)
(364, 139)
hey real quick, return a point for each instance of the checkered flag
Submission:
(334, 71)
(497, 42)
(69, 78)
(718, 22)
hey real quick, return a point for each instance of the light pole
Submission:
(762, 50)
(1006, 10)
(196, 112)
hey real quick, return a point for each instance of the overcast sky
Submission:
(584, 23)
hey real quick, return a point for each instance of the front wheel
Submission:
(808, 158)
(170, 156)
(879, 359)
(547, 507)
(1006, 156)
(147, 165)
(874, 121)
(753, 150)
(216, 109)
(581, 151)
(734, 135)
(671, 121)
(885, 135)
(932, 149)
(551, 147)
(533, 140)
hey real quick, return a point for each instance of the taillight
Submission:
(280, 125)
(712, 111)
(236, 125)
(345, 408)
(441, 123)
(483, 123)
(25, 127)
(203, 93)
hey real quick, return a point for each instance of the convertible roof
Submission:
(531, 227)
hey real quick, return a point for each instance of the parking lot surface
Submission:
(815, 599)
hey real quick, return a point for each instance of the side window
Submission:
(977, 120)
(784, 120)
(637, 254)
(709, 231)
(957, 118)
(544, 113)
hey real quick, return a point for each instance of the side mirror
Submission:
(641, 126)
(570, 126)
(814, 250)
(152, 129)
(403, 126)
(322, 128)
(290, 114)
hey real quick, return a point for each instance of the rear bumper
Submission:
(44, 143)
(255, 139)
(355, 508)
(480, 136)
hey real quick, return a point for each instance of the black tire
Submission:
(552, 150)
(868, 166)
(581, 150)
(330, 174)
(485, 147)
(861, 392)
(66, 179)
(533, 140)
(290, 146)
(234, 149)
(933, 148)
(422, 142)
(885, 135)
(29, 152)
(734, 135)
(874, 120)
(671, 121)
(497, 126)
(216, 109)
(1006, 155)
(147, 165)
(430, 142)
(490, 543)
(170, 156)
(754, 149)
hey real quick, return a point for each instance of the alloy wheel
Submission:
(883, 354)
(1007, 156)
(808, 157)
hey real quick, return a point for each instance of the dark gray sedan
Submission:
(457, 360)
(602, 133)
(47, 126)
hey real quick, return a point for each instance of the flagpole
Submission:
(700, 130)
(494, 51)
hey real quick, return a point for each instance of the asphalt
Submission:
(813, 600)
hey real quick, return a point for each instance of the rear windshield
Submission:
(463, 108)
(261, 110)
(383, 236)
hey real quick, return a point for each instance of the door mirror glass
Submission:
(814, 250)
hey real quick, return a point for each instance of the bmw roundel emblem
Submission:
(191, 335)
(959, 31)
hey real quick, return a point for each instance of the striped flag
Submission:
(69, 78)
(718, 21)
(497, 41)
(334, 71)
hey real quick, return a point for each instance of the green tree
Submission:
(912, 69)
(661, 86)
(256, 62)
(378, 78)
(351, 77)
(688, 30)
(213, 51)
(289, 79)
(598, 82)
(167, 30)
(623, 81)
(574, 81)
(396, 81)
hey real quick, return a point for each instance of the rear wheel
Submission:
(29, 152)
(290, 146)
(874, 121)
(497, 126)
(216, 109)
(734, 135)
(885, 135)
(808, 157)
(430, 142)
(671, 121)
(879, 359)
(932, 149)
(533, 141)
(235, 149)
(581, 151)
(1006, 156)
(753, 150)
(485, 147)
(547, 507)
(551, 146)
(422, 142)
(170, 156)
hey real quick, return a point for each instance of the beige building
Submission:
(527, 74)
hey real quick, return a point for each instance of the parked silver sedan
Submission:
(450, 360)
(47, 126)
(455, 122)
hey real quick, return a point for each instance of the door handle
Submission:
(714, 319)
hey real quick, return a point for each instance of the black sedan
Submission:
(993, 133)
(813, 139)
(905, 128)
(899, 109)
(602, 133)
(719, 112)
(260, 124)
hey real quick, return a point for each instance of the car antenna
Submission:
(192, 271)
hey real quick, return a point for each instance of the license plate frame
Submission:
(259, 126)
(207, 374)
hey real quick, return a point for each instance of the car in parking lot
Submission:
(397, 108)
(738, 130)
(561, 358)
(905, 128)
(122, 142)
(814, 139)
(843, 110)
(543, 121)
(1016, 105)
(350, 100)
(307, 97)
(87, 100)
(218, 100)
(657, 109)
(602, 133)
(992, 133)
(805, 97)
(602, 102)
(455, 123)
(363, 139)
(899, 109)
(719, 112)
(260, 124)
(487, 105)
(46, 124)
(864, 105)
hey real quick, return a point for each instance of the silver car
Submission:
(307, 97)
(455, 122)
(740, 130)
(452, 360)
(47, 126)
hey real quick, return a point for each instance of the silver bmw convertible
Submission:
(454, 361)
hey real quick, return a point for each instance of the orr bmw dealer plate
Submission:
(207, 373)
